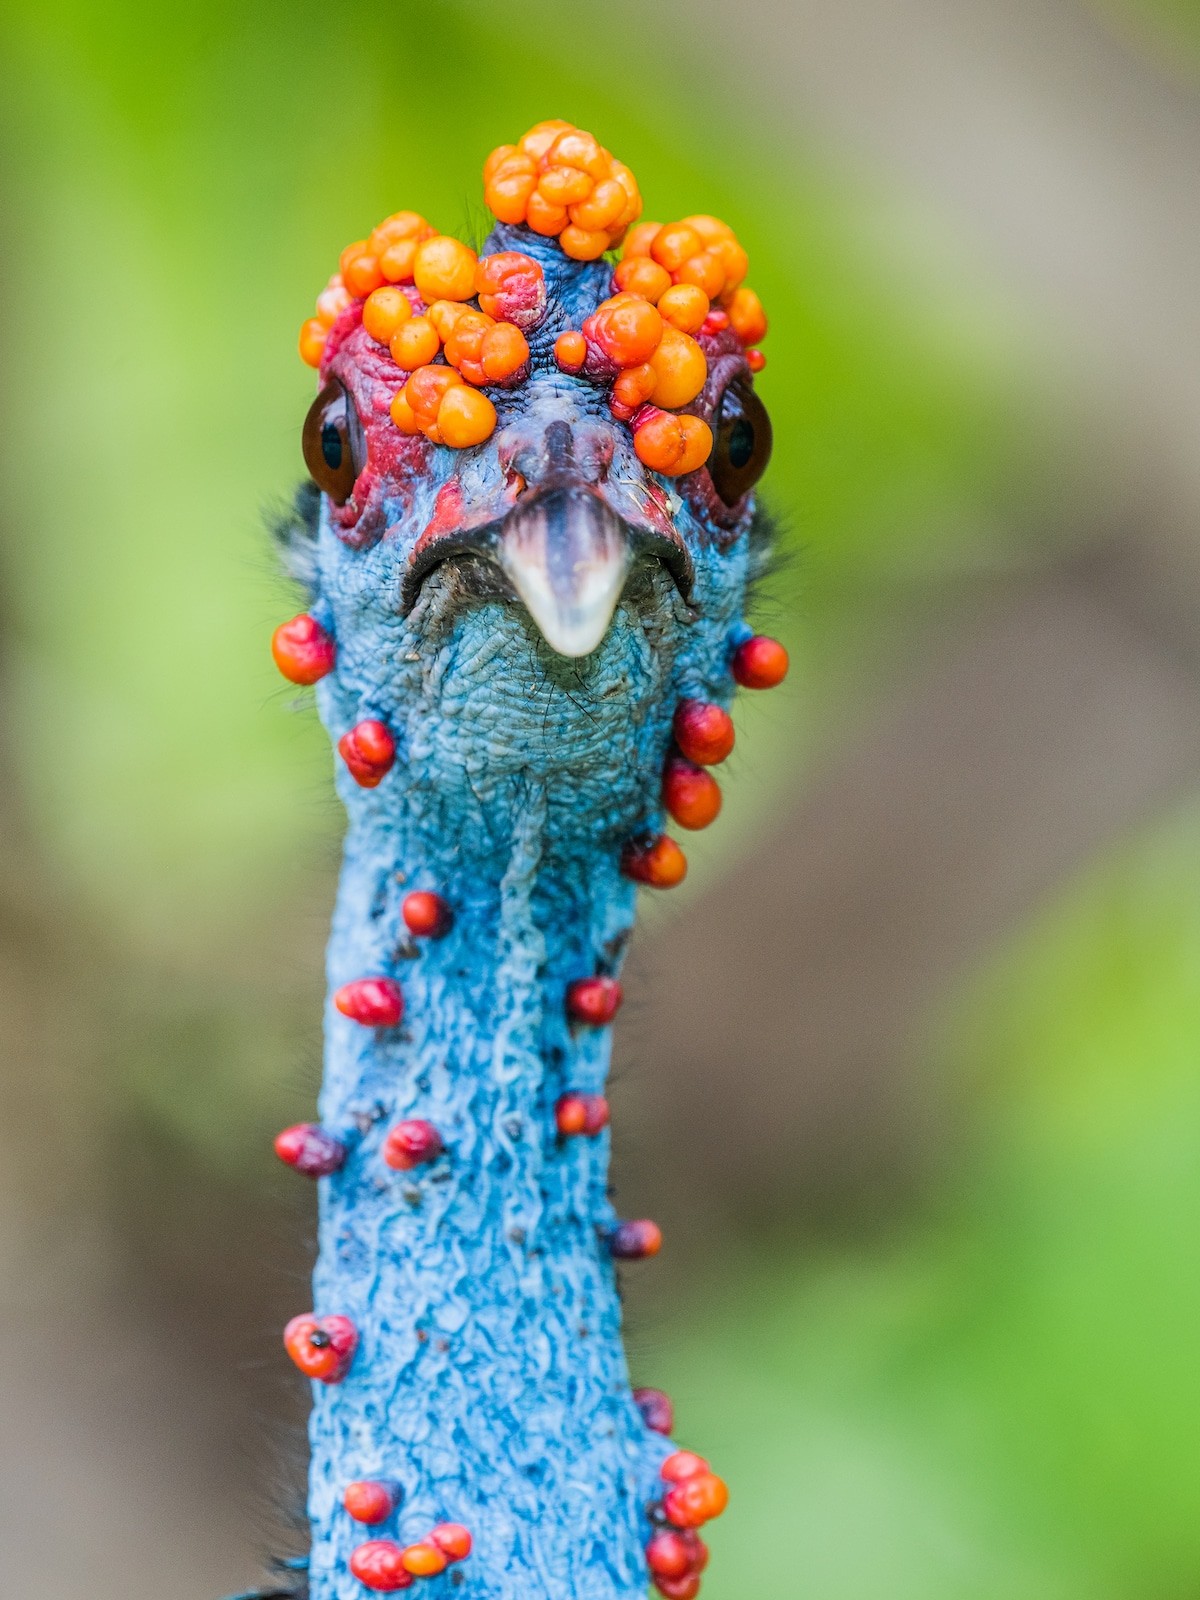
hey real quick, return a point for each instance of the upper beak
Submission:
(566, 554)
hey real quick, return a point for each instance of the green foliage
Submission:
(1002, 1395)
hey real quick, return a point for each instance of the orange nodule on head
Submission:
(628, 330)
(570, 351)
(561, 183)
(671, 444)
(384, 310)
(438, 402)
(312, 342)
(511, 287)
(677, 283)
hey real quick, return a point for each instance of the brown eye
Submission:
(333, 442)
(741, 443)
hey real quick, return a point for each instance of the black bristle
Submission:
(768, 558)
(293, 528)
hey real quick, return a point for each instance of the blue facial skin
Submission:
(490, 1379)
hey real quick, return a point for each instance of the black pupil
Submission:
(741, 442)
(331, 445)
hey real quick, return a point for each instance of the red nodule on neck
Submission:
(369, 752)
(373, 1002)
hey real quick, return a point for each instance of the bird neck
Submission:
(490, 1380)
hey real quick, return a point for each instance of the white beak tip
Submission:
(566, 555)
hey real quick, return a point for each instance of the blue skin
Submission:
(490, 1378)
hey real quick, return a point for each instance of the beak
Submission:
(566, 554)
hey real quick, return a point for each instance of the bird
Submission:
(525, 542)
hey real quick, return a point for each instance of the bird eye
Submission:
(741, 443)
(333, 442)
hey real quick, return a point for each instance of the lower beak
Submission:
(566, 554)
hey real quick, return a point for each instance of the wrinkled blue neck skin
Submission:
(490, 1378)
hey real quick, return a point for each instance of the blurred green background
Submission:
(932, 1315)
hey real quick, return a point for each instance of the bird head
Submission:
(532, 452)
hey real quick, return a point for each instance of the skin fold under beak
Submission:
(566, 554)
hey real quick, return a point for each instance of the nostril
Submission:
(559, 448)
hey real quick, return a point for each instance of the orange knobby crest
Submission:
(427, 297)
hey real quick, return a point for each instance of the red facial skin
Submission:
(726, 361)
(659, 863)
(371, 1501)
(373, 1002)
(378, 1565)
(657, 1411)
(704, 732)
(308, 1149)
(634, 1241)
(580, 1113)
(696, 1500)
(594, 1001)
(759, 663)
(396, 462)
(691, 795)
(303, 651)
(452, 1539)
(369, 752)
(322, 1347)
(411, 1144)
(683, 1464)
(426, 916)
